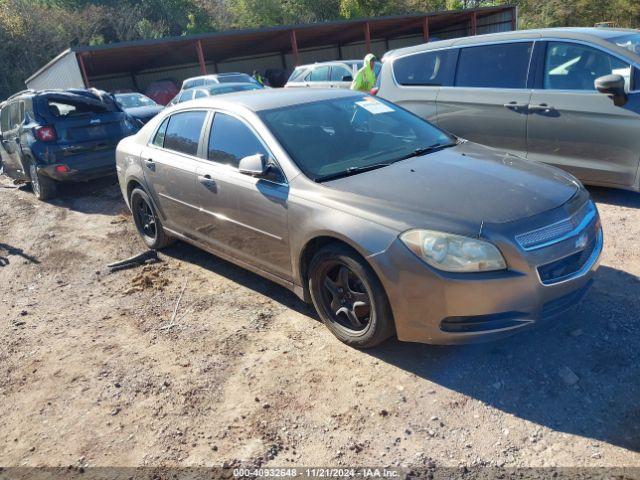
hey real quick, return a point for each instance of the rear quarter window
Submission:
(426, 69)
(504, 65)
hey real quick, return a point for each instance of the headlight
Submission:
(454, 253)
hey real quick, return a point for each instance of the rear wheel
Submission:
(349, 297)
(147, 222)
(43, 187)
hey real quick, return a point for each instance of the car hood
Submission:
(457, 189)
(144, 112)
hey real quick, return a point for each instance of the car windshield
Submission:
(343, 136)
(133, 100)
(629, 41)
(217, 90)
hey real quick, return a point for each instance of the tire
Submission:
(147, 221)
(44, 188)
(349, 298)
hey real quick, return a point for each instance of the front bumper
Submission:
(435, 307)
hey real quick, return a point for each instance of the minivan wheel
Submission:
(349, 297)
(147, 222)
(43, 187)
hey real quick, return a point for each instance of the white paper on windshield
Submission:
(374, 107)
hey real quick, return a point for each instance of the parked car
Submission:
(210, 90)
(217, 78)
(56, 136)
(534, 93)
(382, 220)
(338, 74)
(162, 91)
(139, 106)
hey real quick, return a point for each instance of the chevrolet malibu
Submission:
(385, 223)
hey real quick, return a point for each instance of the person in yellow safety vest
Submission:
(258, 77)
(365, 78)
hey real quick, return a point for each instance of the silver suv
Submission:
(534, 93)
(338, 74)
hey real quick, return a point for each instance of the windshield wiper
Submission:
(352, 171)
(355, 170)
(424, 150)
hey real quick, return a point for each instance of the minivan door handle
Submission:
(207, 181)
(515, 105)
(542, 107)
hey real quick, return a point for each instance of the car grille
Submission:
(559, 231)
(566, 267)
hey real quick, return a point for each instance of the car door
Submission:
(11, 119)
(340, 76)
(418, 78)
(170, 162)
(576, 128)
(255, 208)
(488, 102)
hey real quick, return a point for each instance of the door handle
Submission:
(148, 161)
(515, 105)
(542, 107)
(206, 179)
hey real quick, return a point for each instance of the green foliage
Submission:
(34, 31)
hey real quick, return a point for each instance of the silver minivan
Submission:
(568, 97)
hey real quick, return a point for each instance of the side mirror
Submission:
(613, 87)
(347, 78)
(253, 165)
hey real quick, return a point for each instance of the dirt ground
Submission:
(94, 373)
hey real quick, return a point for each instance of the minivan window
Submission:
(319, 74)
(503, 65)
(571, 66)
(183, 132)
(231, 140)
(426, 69)
(158, 139)
(200, 94)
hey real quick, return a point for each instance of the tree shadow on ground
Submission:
(6, 250)
(598, 341)
(612, 196)
(188, 253)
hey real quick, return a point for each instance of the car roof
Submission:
(332, 62)
(267, 99)
(598, 35)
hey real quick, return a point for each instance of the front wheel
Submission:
(147, 222)
(43, 187)
(349, 297)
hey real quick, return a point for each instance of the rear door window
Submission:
(183, 132)
(184, 96)
(504, 65)
(5, 118)
(426, 69)
(338, 74)
(14, 113)
(571, 66)
(319, 74)
(231, 140)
